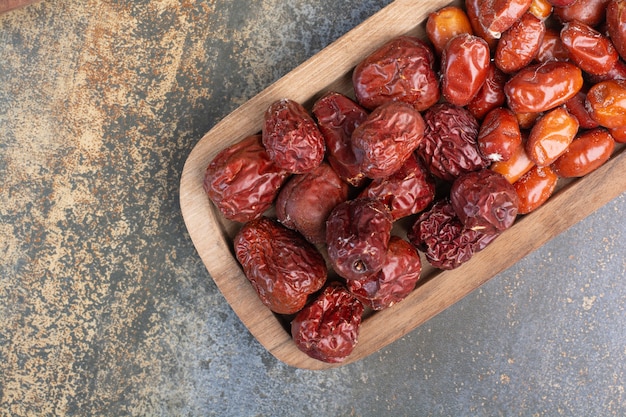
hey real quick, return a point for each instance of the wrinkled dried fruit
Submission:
(589, 49)
(328, 328)
(535, 188)
(357, 235)
(551, 136)
(292, 138)
(306, 200)
(444, 24)
(484, 201)
(499, 135)
(586, 153)
(496, 16)
(589, 12)
(577, 108)
(337, 117)
(386, 139)
(444, 240)
(538, 88)
(282, 266)
(552, 48)
(242, 181)
(519, 45)
(616, 25)
(408, 191)
(464, 67)
(472, 8)
(606, 102)
(449, 147)
(395, 281)
(400, 70)
(490, 95)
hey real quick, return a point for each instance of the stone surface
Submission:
(106, 309)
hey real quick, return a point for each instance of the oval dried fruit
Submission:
(535, 188)
(551, 136)
(587, 153)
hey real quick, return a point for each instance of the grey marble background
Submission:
(105, 307)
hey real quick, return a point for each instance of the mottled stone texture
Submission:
(106, 309)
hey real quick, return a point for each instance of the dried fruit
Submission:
(535, 188)
(444, 24)
(616, 25)
(306, 200)
(589, 49)
(328, 328)
(450, 147)
(517, 165)
(400, 70)
(586, 153)
(499, 135)
(357, 235)
(606, 102)
(337, 117)
(551, 136)
(496, 16)
(386, 139)
(484, 201)
(589, 12)
(282, 266)
(291, 137)
(490, 95)
(552, 48)
(519, 45)
(242, 181)
(395, 281)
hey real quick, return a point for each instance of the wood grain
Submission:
(8, 5)
(330, 70)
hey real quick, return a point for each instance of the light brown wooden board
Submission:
(330, 70)
(8, 5)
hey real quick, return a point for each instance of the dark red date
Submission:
(616, 25)
(589, 49)
(402, 270)
(242, 181)
(357, 236)
(496, 16)
(305, 202)
(520, 44)
(400, 70)
(490, 95)
(386, 139)
(292, 138)
(328, 328)
(282, 266)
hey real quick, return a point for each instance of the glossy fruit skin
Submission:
(586, 153)
(400, 70)
(496, 16)
(306, 200)
(484, 201)
(464, 67)
(443, 239)
(242, 181)
(535, 188)
(617, 72)
(407, 191)
(337, 116)
(520, 44)
(616, 25)
(472, 8)
(450, 147)
(589, 49)
(386, 139)
(589, 12)
(562, 3)
(606, 102)
(490, 95)
(328, 328)
(541, 9)
(291, 137)
(552, 48)
(576, 106)
(445, 23)
(499, 135)
(541, 87)
(400, 274)
(551, 136)
(517, 165)
(619, 134)
(281, 265)
(357, 236)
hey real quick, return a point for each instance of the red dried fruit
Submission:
(464, 67)
(386, 139)
(444, 24)
(472, 8)
(306, 200)
(535, 188)
(490, 95)
(499, 135)
(395, 281)
(541, 9)
(357, 236)
(337, 117)
(444, 240)
(291, 137)
(587, 153)
(589, 49)
(616, 25)
(328, 328)
(282, 266)
(400, 70)
(520, 44)
(408, 191)
(619, 134)
(484, 201)
(496, 16)
(449, 147)
(552, 48)
(551, 136)
(589, 12)
(538, 88)
(242, 181)
(517, 165)
(606, 102)
(577, 108)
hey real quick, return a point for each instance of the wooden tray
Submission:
(330, 70)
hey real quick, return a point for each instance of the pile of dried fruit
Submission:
(457, 135)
